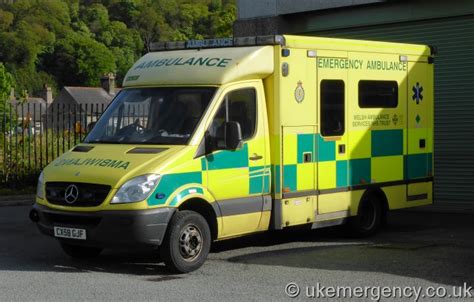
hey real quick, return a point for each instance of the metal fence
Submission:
(33, 135)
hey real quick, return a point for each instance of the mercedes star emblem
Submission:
(71, 194)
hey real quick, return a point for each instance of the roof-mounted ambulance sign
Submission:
(218, 43)
(210, 43)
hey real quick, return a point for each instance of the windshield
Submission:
(163, 116)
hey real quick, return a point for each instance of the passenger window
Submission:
(238, 106)
(332, 107)
(378, 94)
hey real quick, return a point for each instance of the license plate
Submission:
(69, 233)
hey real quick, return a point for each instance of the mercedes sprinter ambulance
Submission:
(215, 139)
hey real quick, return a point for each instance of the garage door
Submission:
(454, 95)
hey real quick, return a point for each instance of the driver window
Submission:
(238, 106)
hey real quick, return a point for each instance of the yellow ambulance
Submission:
(215, 139)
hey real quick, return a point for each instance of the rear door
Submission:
(418, 162)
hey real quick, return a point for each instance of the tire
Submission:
(187, 242)
(80, 252)
(368, 219)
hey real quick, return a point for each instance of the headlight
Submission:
(136, 189)
(39, 187)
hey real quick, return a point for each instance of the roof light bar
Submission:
(157, 46)
(172, 45)
(175, 45)
(219, 43)
(245, 41)
(271, 40)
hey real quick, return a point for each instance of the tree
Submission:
(6, 20)
(124, 43)
(31, 33)
(6, 82)
(72, 42)
(151, 25)
(125, 11)
(222, 20)
(80, 59)
(95, 16)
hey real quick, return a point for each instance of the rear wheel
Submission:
(80, 252)
(187, 242)
(369, 217)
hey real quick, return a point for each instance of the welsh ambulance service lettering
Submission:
(99, 162)
(369, 120)
(183, 61)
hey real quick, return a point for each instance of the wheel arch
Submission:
(205, 209)
(380, 195)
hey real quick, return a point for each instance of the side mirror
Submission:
(233, 135)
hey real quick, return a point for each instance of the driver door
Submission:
(236, 177)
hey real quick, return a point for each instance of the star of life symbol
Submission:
(417, 93)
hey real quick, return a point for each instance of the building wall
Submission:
(63, 113)
(249, 9)
(448, 25)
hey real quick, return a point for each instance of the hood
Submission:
(108, 164)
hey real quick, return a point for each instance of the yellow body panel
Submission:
(386, 168)
(236, 225)
(327, 175)
(297, 211)
(335, 202)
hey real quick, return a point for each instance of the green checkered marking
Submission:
(359, 171)
(289, 177)
(227, 159)
(169, 183)
(354, 171)
(259, 179)
(305, 145)
(418, 165)
(181, 195)
(326, 150)
(341, 173)
(387, 142)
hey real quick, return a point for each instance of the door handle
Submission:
(255, 156)
(342, 149)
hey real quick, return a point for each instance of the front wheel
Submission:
(368, 219)
(80, 252)
(187, 242)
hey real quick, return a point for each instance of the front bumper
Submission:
(109, 228)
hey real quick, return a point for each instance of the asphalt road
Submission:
(415, 249)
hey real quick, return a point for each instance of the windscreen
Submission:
(163, 116)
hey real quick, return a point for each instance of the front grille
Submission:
(88, 195)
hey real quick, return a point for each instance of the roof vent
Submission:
(147, 150)
(83, 149)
